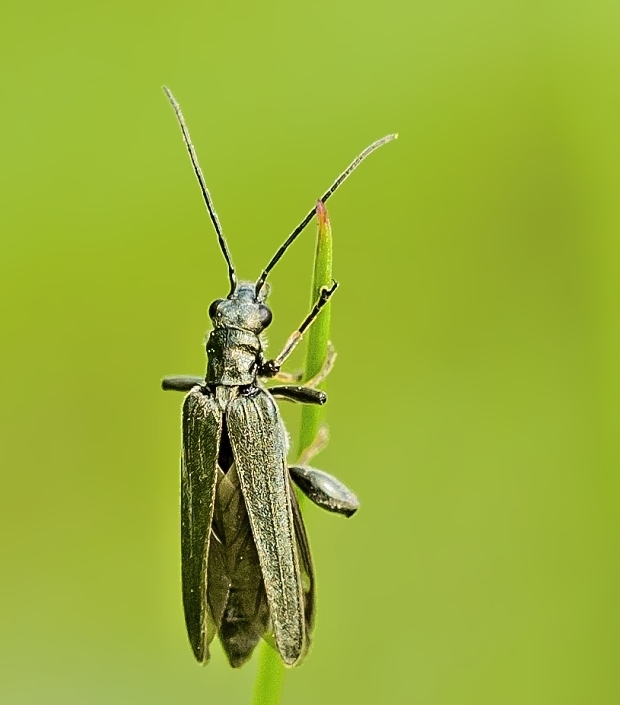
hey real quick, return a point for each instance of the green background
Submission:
(474, 405)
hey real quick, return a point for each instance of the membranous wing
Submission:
(202, 428)
(258, 441)
(235, 591)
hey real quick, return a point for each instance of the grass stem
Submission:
(270, 675)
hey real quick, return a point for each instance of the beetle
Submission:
(245, 559)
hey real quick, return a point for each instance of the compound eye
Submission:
(265, 315)
(213, 308)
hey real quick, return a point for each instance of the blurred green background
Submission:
(474, 405)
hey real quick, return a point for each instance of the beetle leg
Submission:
(181, 383)
(303, 395)
(289, 377)
(328, 366)
(298, 375)
(270, 368)
(324, 490)
(317, 446)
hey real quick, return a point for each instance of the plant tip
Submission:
(321, 213)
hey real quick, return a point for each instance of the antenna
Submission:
(289, 241)
(205, 191)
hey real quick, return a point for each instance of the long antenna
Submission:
(352, 166)
(205, 191)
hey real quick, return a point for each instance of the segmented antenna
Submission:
(352, 166)
(205, 191)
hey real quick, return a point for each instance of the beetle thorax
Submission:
(234, 347)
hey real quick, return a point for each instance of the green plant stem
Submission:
(270, 675)
(319, 333)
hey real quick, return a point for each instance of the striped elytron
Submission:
(246, 565)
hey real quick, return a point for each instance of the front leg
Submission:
(270, 368)
(302, 395)
(326, 367)
(181, 383)
(289, 377)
